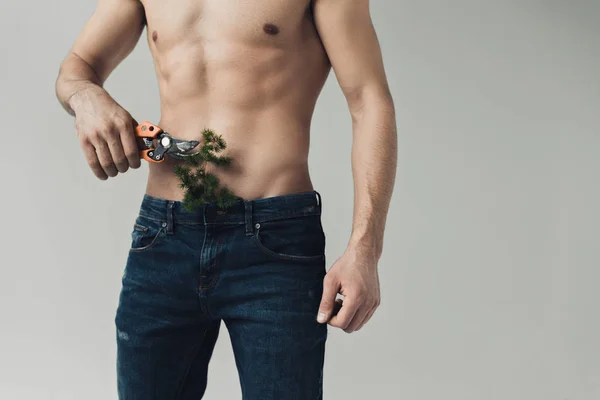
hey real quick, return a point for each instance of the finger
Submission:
(92, 160)
(330, 291)
(339, 302)
(358, 318)
(130, 146)
(116, 152)
(366, 319)
(105, 158)
(347, 312)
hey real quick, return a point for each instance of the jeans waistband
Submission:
(242, 211)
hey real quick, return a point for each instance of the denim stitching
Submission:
(148, 246)
(287, 217)
(255, 218)
(217, 268)
(283, 256)
(139, 227)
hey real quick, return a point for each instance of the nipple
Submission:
(271, 29)
(154, 36)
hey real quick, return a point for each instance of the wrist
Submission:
(81, 96)
(365, 244)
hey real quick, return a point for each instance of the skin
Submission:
(252, 71)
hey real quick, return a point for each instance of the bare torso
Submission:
(251, 70)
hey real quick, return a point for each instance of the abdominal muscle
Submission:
(255, 90)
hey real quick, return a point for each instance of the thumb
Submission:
(330, 290)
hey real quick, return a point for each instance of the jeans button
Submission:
(257, 226)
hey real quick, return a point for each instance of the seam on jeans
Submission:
(226, 223)
(202, 249)
(143, 215)
(217, 269)
(140, 228)
(292, 216)
(190, 222)
(148, 246)
(197, 347)
(289, 257)
(255, 219)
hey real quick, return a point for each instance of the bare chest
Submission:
(249, 22)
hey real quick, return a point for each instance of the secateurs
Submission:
(165, 144)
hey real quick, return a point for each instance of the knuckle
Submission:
(84, 138)
(336, 325)
(329, 280)
(112, 133)
(94, 164)
(131, 154)
(106, 164)
(102, 128)
(95, 135)
(326, 305)
(359, 298)
(344, 323)
(121, 123)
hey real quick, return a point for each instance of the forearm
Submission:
(374, 162)
(75, 78)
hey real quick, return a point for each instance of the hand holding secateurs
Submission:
(165, 144)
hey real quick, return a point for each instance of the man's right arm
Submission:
(104, 128)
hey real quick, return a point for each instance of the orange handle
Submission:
(145, 156)
(147, 130)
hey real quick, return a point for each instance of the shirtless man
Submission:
(252, 71)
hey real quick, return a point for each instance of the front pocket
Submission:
(144, 236)
(293, 239)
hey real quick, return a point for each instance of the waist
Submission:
(258, 210)
(248, 180)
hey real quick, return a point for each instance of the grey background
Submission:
(490, 267)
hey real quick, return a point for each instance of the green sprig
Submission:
(201, 186)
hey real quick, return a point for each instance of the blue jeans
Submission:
(258, 266)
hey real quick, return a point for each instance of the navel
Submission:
(154, 36)
(271, 29)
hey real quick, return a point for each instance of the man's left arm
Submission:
(350, 40)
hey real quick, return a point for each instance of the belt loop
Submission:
(248, 217)
(319, 202)
(170, 206)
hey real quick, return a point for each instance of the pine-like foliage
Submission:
(201, 186)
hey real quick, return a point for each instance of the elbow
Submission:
(66, 71)
(59, 82)
(376, 98)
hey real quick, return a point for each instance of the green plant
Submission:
(201, 186)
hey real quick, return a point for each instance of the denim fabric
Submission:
(258, 266)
